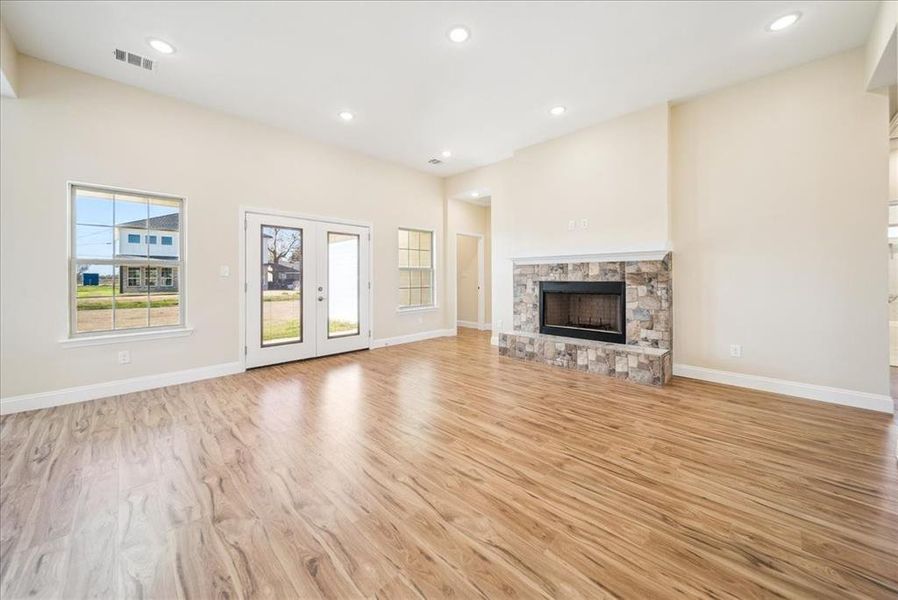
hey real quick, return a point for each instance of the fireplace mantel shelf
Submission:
(596, 257)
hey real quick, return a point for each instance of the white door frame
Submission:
(480, 276)
(242, 211)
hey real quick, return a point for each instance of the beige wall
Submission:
(466, 217)
(881, 63)
(466, 278)
(493, 178)
(9, 71)
(613, 174)
(68, 125)
(779, 210)
(772, 194)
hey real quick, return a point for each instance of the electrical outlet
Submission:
(124, 357)
(735, 350)
(584, 223)
(571, 225)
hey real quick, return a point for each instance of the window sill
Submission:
(118, 338)
(418, 309)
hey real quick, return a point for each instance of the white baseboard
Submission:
(475, 325)
(14, 404)
(412, 337)
(878, 402)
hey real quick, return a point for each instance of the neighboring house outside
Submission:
(155, 238)
(283, 276)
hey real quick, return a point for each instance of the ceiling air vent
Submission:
(435, 161)
(134, 59)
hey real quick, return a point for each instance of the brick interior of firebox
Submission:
(585, 311)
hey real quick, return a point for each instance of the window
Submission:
(415, 268)
(118, 283)
(166, 240)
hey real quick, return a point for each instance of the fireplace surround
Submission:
(582, 314)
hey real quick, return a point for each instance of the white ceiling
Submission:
(414, 93)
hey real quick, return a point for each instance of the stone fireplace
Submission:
(609, 314)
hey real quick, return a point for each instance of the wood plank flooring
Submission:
(440, 469)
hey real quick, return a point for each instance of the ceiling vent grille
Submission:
(135, 60)
(435, 161)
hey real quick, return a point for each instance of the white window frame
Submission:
(90, 337)
(433, 271)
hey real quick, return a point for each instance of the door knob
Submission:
(320, 298)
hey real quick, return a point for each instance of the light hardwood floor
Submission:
(440, 469)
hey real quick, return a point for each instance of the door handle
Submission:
(320, 298)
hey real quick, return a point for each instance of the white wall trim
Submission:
(494, 340)
(119, 338)
(870, 401)
(83, 393)
(592, 257)
(412, 337)
(475, 325)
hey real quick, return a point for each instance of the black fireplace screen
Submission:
(583, 309)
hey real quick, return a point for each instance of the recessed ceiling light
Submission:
(161, 46)
(557, 110)
(346, 115)
(446, 153)
(784, 22)
(475, 194)
(459, 34)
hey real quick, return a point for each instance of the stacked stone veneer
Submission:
(649, 298)
(640, 364)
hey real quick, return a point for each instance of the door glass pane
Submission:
(343, 284)
(281, 285)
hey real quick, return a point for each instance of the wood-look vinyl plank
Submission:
(440, 469)
(94, 567)
(38, 572)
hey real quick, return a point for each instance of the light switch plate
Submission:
(224, 271)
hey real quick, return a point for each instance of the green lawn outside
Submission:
(280, 330)
(94, 290)
(341, 326)
(280, 295)
(126, 301)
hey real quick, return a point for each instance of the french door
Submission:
(306, 289)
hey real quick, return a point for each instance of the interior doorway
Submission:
(307, 288)
(893, 257)
(469, 260)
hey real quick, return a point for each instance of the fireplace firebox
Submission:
(592, 310)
